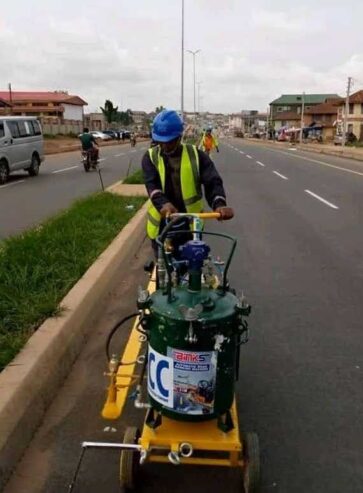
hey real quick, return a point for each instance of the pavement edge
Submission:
(30, 382)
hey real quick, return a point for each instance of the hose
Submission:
(113, 331)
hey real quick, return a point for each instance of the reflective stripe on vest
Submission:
(190, 184)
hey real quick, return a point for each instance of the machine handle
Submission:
(201, 215)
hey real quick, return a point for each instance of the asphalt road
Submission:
(26, 201)
(299, 261)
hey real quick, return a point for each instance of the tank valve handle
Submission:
(186, 449)
(174, 458)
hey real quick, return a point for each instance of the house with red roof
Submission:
(355, 114)
(52, 107)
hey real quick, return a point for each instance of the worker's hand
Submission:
(168, 209)
(225, 212)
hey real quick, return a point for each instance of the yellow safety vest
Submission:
(190, 184)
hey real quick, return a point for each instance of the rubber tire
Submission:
(86, 166)
(33, 170)
(129, 461)
(4, 172)
(251, 467)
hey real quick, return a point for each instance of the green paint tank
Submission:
(193, 350)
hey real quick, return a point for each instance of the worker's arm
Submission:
(215, 141)
(153, 183)
(212, 182)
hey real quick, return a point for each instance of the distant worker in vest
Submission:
(174, 175)
(208, 142)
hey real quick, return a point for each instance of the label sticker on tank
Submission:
(160, 378)
(194, 379)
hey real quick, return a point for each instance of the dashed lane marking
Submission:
(321, 199)
(280, 175)
(64, 169)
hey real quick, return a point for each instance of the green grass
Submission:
(39, 267)
(136, 178)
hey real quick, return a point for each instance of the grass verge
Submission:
(136, 178)
(39, 267)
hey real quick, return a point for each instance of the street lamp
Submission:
(194, 53)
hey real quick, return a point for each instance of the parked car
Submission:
(21, 146)
(111, 133)
(100, 135)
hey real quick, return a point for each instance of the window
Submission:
(22, 129)
(350, 128)
(351, 108)
(36, 127)
(2, 130)
(29, 128)
(14, 130)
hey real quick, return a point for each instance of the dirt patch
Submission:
(68, 144)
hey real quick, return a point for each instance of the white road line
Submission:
(102, 159)
(118, 155)
(249, 157)
(12, 184)
(64, 169)
(261, 164)
(348, 170)
(280, 175)
(321, 199)
(241, 152)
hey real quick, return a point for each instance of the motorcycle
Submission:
(88, 160)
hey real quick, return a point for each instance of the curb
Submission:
(30, 382)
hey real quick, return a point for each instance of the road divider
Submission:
(30, 382)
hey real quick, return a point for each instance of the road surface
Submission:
(299, 262)
(25, 201)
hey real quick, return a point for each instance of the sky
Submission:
(130, 52)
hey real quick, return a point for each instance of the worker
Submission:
(89, 144)
(174, 174)
(208, 141)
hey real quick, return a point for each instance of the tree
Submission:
(158, 109)
(125, 117)
(110, 111)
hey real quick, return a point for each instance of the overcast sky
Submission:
(129, 52)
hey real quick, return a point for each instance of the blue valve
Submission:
(195, 252)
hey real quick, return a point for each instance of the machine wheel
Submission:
(129, 461)
(4, 172)
(33, 170)
(86, 165)
(251, 468)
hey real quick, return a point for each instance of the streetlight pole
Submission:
(194, 53)
(182, 65)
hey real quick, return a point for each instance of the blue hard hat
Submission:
(167, 126)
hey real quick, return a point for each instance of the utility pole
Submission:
(194, 53)
(10, 99)
(346, 112)
(302, 117)
(182, 65)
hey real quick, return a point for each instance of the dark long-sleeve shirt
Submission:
(209, 178)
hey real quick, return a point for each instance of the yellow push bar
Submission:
(201, 215)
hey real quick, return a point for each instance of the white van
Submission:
(21, 145)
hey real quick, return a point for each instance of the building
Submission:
(95, 121)
(285, 111)
(355, 114)
(324, 115)
(54, 107)
(235, 122)
(5, 107)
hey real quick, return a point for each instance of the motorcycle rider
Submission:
(89, 144)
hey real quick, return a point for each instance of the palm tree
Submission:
(110, 111)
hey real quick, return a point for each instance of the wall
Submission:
(73, 112)
(62, 128)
